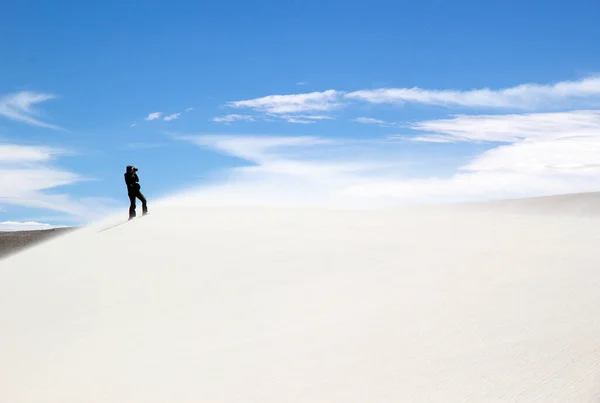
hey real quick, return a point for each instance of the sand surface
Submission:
(277, 305)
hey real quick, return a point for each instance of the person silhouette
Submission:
(133, 191)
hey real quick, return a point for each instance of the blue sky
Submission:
(294, 102)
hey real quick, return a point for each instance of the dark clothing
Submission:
(133, 191)
(131, 180)
(132, 197)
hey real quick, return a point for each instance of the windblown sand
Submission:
(276, 305)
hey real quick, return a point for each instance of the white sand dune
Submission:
(414, 305)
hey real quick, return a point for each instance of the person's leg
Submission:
(144, 203)
(131, 206)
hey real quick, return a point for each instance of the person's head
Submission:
(131, 168)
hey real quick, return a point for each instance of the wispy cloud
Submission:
(581, 93)
(29, 178)
(537, 151)
(133, 125)
(165, 117)
(301, 83)
(511, 127)
(560, 142)
(373, 121)
(233, 118)
(529, 155)
(284, 170)
(292, 119)
(525, 96)
(252, 148)
(291, 104)
(15, 153)
(154, 116)
(19, 107)
(301, 119)
(296, 108)
(305, 119)
(172, 116)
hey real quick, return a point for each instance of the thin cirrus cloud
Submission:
(305, 119)
(233, 118)
(580, 93)
(533, 143)
(525, 96)
(20, 107)
(172, 116)
(29, 178)
(295, 108)
(154, 116)
(537, 151)
(528, 154)
(302, 119)
(251, 148)
(295, 103)
(373, 121)
(510, 128)
(165, 117)
(16, 153)
(158, 115)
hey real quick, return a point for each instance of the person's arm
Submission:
(135, 181)
(129, 181)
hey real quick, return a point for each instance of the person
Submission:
(133, 191)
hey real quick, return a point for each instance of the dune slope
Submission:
(277, 305)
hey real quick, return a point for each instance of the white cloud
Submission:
(529, 154)
(252, 148)
(172, 117)
(10, 226)
(555, 143)
(304, 119)
(582, 93)
(15, 153)
(154, 116)
(525, 96)
(295, 103)
(29, 178)
(281, 170)
(291, 119)
(166, 118)
(232, 118)
(539, 154)
(369, 121)
(300, 83)
(373, 121)
(19, 107)
(133, 125)
(512, 127)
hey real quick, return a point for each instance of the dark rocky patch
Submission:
(12, 242)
